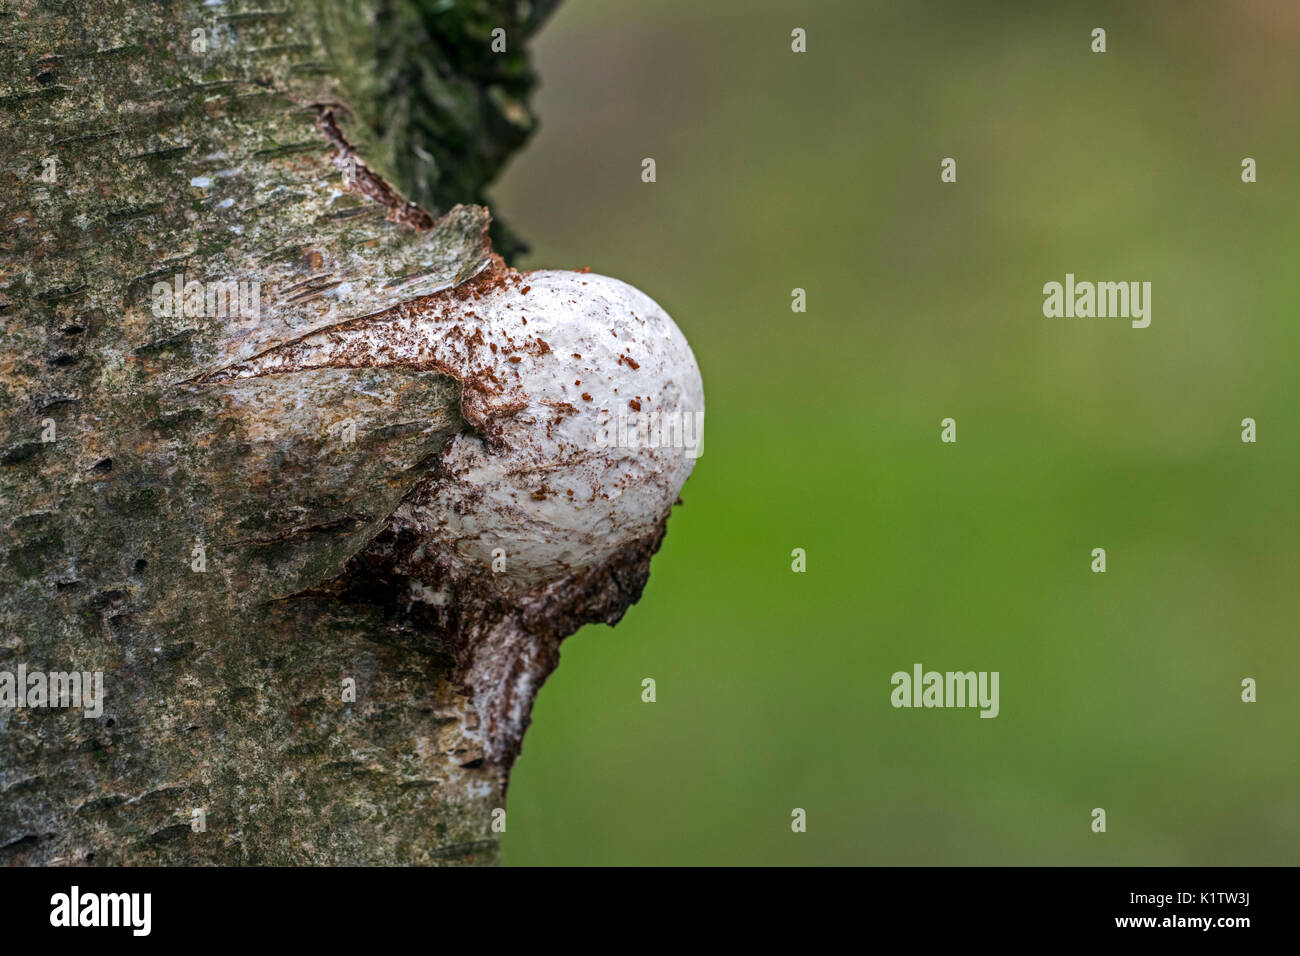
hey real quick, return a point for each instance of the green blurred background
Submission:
(821, 171)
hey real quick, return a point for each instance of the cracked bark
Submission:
(223, 686)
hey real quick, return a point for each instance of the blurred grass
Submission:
(821, 171)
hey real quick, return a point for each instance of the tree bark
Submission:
(221, 549)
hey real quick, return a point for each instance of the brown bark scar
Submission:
(360, 178)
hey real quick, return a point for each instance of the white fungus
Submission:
(587, 406)
(585, 411)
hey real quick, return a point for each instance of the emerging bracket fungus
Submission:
(541, 516)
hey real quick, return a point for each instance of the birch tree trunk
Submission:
(221, 551)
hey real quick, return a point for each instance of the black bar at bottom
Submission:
(330, 907)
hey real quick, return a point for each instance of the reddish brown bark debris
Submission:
(360, 178)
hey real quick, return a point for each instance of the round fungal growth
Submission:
(586, 408)
(585, 411)
(589, 407)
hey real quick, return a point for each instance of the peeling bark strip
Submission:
(360, 178)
